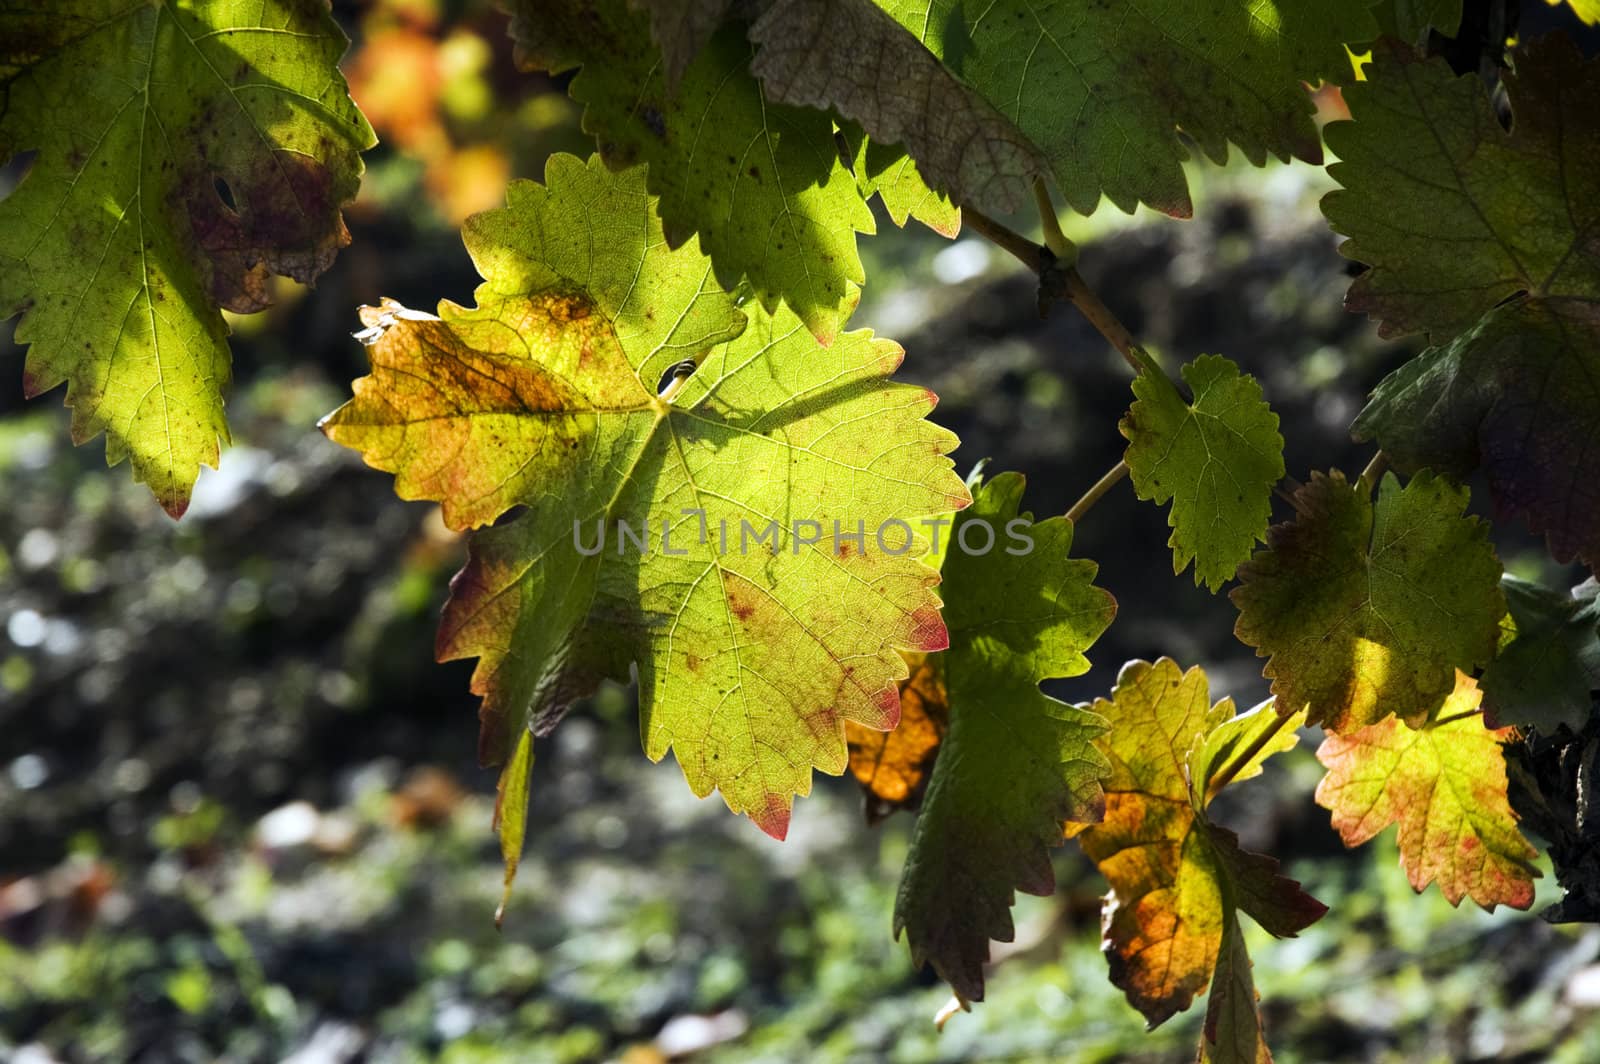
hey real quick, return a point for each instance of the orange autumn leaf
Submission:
(1445, 785)
(893, 767)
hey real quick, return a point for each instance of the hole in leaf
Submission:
(225, 194)
(14, 169)
(673, 372)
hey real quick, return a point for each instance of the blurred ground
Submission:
(240, 817)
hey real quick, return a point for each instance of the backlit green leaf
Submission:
(1216, 458)
(1015, 763)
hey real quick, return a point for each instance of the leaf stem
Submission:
(1463, 715)
(1100, 487)
(1063, 249)
(1369, 476)
(1236, 766)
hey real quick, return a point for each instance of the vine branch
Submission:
(1058, 279)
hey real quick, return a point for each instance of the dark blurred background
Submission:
(240, 814)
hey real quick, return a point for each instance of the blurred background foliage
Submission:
(240, 817)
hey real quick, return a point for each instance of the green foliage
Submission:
(892, 176)
(851, 56)
(118, 248)
(1015, 763)
(1545, 677)
(1217, 458)
(1366, 609)
(1410, 20)
(1453, 213)
(1103, 88)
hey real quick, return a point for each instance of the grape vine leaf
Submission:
(1178, 880)
(752, 640)
(1104, 88)
(1015, 763)
(891, 175)
(1445, 785)
(1454, 214)
(852, 57)
(1365, 609)
(761, 183)
(119, 248)
(1548, 674)
(893, 767)
(1518, 393)
(1217, 460)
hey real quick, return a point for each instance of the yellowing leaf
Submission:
(893, 767)
(1216, 458)
(755, 634)
(1368, 609)
(1103, 88)
(761, 183)
(1445, 785)
(186, 153)
(1015, 763)
(850, 56)
(1177, 880)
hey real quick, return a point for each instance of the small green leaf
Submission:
(1216, 458)
(1015, 763)
(511, 813)
(186, 154)
(1365, 610)
(889, 174)
(1231, 738)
